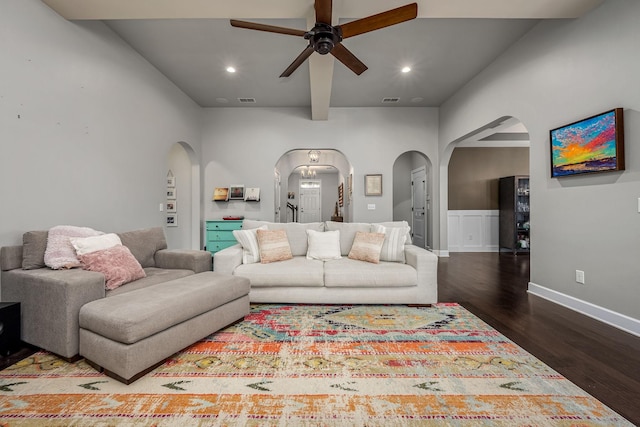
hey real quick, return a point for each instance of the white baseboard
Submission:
(617, 320)
(441, 253)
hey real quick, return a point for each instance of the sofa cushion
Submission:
(274, 246)
(117, 264)
(133, 316)
(323, 245)
(366, 247)
(394, 241)
(144, 244)
(347, 272)
(347, 233)
(153, 276)
(298, 271)
(60, 253)
(248, 239)
(34, 244)
(85, 245)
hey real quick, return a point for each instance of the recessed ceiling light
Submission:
(417, 99)
(231, 70)
(222, 100)
(406, 69)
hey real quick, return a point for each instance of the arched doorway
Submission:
(183, 164)
(328, 166)
(412, 194)
(470, 170)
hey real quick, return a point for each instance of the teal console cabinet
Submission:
(220, 234)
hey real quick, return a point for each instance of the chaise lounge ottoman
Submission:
(130, 334)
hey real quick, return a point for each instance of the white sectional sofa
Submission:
(410, 279)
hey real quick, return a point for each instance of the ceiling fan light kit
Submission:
(325, 38)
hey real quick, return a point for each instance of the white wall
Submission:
(243, 146)
(87, 126)
(560, 72)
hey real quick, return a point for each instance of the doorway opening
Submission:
(330, 168)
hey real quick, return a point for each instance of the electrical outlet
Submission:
(371, 207)
(580, 276)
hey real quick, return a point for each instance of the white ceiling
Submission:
(192, 43)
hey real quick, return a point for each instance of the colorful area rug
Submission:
(316, 365)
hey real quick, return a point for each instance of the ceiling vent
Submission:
(390, 100)
(247, 100)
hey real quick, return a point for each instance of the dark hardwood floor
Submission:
(602, 360)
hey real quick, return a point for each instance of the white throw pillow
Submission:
(323, 245)
(86, 245)
(248, 239)
(394, 240)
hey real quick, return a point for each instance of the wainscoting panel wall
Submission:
(473, 230)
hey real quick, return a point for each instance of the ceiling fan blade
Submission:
(345, 56)
(298, 61)
(268, 28)
(323, 11)
(381, 20)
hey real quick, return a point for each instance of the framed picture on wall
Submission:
(171, 182)
(373, 185)
(171, 193)
(594, 144)
(172, 220)
(236, 192)
(172, 206)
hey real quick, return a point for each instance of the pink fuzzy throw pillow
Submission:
(118, 265)
(60, 252)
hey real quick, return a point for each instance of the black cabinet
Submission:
(514, 213)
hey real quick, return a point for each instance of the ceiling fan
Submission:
(325, 38)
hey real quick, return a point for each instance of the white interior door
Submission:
(419, 206)
(309, 209)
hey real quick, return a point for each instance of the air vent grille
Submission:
(390, 100)
(247, 100)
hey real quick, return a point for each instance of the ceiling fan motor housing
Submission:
(323, 37)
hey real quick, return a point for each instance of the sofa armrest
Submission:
(426, 264)
(50, 302)
(226, 260)
(184, 259)
(10, 257)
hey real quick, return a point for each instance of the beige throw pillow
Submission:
(274, 245)
(367, 247)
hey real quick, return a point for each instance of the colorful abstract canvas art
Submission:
(595, 144)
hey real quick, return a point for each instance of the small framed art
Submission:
(171, 193)
(172, 206)
(172, 220)
(236, 192)
(221, 194)
(373, 185)
(252, 194)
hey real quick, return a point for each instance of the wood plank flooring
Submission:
(602, 360)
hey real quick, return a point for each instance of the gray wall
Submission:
(244, 145)
(474, 174)
(560, 72)
(87, 126)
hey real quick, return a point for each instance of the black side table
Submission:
(9, 328)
